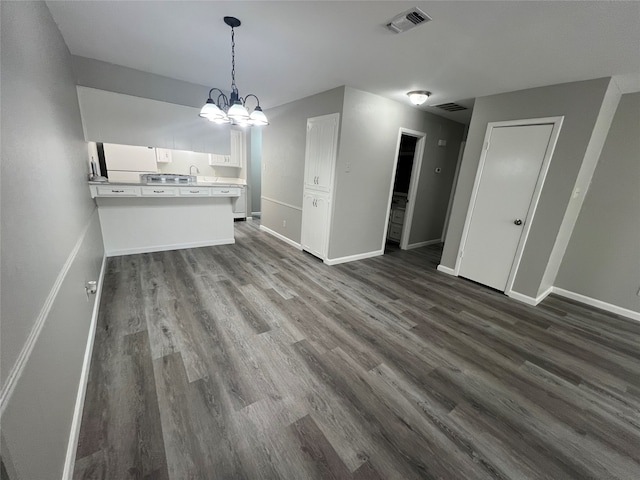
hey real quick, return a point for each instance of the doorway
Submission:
(514, 162)
(403, 188)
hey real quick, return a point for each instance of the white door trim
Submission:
(413, 185)
(557, 124)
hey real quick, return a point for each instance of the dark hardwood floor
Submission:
(258, 361)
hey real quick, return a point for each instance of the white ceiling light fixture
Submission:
(232, 109)
(418, 97)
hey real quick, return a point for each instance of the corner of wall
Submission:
(592, 155)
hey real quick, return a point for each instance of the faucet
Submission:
(193, 166)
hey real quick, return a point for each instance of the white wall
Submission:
(51, 241)
(602, 260)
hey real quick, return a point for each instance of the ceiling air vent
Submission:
(407, 20)
(450, 107)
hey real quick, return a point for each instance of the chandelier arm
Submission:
(246, 97)
(225, 100)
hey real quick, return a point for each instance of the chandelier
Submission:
(232, 109)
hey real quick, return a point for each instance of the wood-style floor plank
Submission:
(256, 360)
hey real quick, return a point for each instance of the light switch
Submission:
(442, 143)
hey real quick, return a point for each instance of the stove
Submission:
(167, 178)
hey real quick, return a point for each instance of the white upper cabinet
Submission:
(238, 151)
(111, 117)
(321, 151)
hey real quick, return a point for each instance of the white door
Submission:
(315, 211)
(320, 155)
(507, 182)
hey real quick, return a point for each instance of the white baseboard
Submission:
(18, 367)
(281, 237)
(625, 312)
(164, 248)
(70, 458)
(423, 244)
(527, 299)
(353, 258)
(447, 270)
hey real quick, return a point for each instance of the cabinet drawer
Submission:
(159, 191)
(225, 192)
(397, 216)
(395, 232)
(118, 191)
(194, 192)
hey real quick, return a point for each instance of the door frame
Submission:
(535, 198)
(413, 185)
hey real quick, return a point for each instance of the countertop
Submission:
(227, 182)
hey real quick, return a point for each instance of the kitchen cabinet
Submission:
(240, 204)
(159, 191)
(396, 216)
(320, 161)
(217, 160)
(237, 156)
(320, 152)
(315, 223)
(238, 150)
(117, 190)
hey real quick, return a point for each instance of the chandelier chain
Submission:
(233, 61)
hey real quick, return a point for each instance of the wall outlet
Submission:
(284, 223)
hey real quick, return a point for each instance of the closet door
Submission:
(505, 188)
(315, 215)
(321, 150)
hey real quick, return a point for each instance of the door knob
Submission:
(517, 221)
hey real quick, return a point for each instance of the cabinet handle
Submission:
(158, 191)
(117, 191)
(224, 191)
(194, 191)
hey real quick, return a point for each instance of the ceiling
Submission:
(289, 50)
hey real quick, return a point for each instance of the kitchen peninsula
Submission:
(145, 217)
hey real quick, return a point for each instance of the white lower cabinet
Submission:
(315, 218)
(240, 204)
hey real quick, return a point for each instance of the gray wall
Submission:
(283, 150)
(116, 78)
(255, 171)
(580, 103)
(368, 142)
(45, 209)
(602, 259)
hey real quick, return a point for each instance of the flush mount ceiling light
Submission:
(418, 97)
(232, 109)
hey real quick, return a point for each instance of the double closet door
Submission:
(320, 160)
